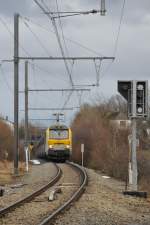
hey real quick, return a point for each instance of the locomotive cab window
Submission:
(58, 134)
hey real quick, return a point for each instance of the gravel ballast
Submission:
(38, 176)
(34, 212)
(104, 204)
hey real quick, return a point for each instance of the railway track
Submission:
(74, 197)
(34, 194)
(39, 210)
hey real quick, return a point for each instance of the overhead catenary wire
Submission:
(61, 27)
(12, 35)
(45, 82)
(119, 29)
(37, 38)
(117, 39)
(58, 39)
(5, 80)
(67, 100)
(67, 38)
(61, 47)
(23, 49)
(46, 71)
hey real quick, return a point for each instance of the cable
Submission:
(12, 35)
(107, 69)
(46, 71)
(58, 39)
(119, 29)
(117, 40)
(24, 50)
(4, 77)
(68, 39)
(61, 27)
(34, 82)
(67, 100)
(62, 52)
(37, 38)
(5, 25)
(78, 94)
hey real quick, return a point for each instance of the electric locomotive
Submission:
(58, 142)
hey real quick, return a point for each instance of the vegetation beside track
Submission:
(107, 148)
(6, 141)
(7, 149)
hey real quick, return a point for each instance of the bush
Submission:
(105, 148)
(6, 141)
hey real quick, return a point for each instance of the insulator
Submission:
(103, 9)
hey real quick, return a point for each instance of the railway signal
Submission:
(136, 95)
(124, 88)
(142, 98)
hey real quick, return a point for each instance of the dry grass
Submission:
(143, 170)
(6, 141)
(6, 172)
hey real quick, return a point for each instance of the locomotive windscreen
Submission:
(58, 134)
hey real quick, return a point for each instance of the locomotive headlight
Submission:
(50, 146)
(67, 146)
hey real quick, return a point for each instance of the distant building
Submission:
(120, 121)
(121, 124)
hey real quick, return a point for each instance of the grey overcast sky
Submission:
(98, 33)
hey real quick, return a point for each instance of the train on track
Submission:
(57, 143)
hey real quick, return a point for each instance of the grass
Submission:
(6, 172)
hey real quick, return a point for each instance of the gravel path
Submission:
(38, 176)
(103, 204)
(32, 213)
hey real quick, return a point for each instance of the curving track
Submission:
(74, 197)
(39, 210)
(34, 194)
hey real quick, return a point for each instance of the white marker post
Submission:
(130, 164)
(82, 152)
(27, 159)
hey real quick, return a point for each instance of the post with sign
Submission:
(82, 152)
(27, 158)
(136, 94)
(133, 142)
(26, 118)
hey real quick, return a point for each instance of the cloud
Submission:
(95, 32)
(9, 7)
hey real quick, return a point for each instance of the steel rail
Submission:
(30, 197)
(74, 197)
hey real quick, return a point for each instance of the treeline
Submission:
(106, 147)
(7, 139)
